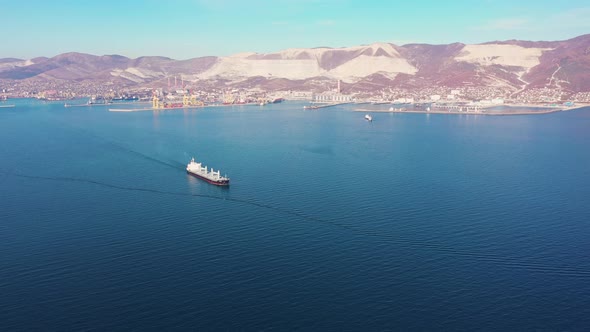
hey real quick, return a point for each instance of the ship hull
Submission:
(224, 183)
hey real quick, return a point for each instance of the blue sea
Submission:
(412, 222)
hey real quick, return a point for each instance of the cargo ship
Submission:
(201, 172)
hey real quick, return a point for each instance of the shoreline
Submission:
(178, 108)
(548, 110)
(107, 104)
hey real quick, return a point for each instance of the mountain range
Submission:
(514, 64)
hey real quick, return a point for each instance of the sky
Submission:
(183, 29)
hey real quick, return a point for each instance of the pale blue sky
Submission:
(184, 29)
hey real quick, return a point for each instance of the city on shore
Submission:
(101, 93)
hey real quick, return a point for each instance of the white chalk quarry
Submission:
(297, 63)
(505, 55)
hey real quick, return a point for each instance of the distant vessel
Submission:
(201, 172)
(277, 100)
(126, 98)
(368, 117)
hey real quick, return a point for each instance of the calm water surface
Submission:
(411, 222)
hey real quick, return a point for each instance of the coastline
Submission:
(547, 110)
(178, 108)
(107, 104)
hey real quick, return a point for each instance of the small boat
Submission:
(368, 118)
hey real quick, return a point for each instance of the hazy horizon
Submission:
(183, 29)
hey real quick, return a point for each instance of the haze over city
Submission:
(186, 29)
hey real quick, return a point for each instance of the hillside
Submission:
(513, 64)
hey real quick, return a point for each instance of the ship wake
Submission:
(498, 260)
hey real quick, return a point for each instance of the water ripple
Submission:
(517, 263)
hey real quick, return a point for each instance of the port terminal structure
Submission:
(187, 101)
(460, 108)
(157, 104)
(315, 107)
